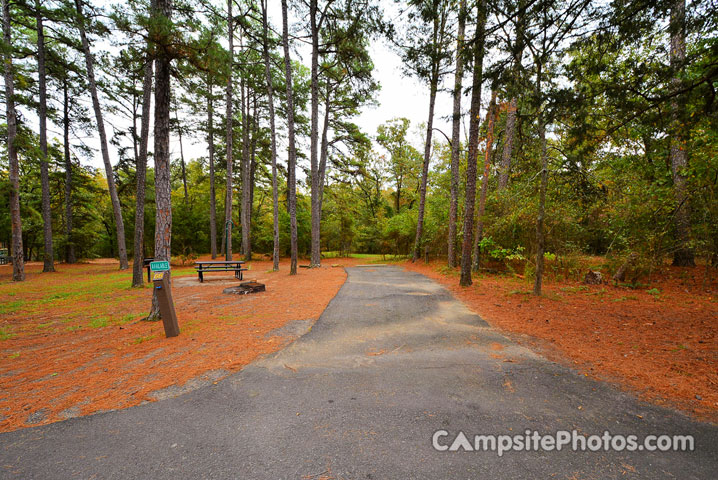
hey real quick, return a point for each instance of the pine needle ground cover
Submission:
(74, 342)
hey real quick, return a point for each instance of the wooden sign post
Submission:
(161, 281)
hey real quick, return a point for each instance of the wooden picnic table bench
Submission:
(220, 266)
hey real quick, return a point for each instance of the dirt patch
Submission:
(660, 341)
(73, 343)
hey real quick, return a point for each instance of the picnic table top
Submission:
(219, 262)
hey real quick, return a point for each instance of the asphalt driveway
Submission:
(393, 359)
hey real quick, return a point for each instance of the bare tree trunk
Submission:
(315, 260)
(512, 112)
(49, 257)
(116, 207)
(425, 169)
(210, 147)
(456, 135)
(490, 119)
(273, 133)
(683, 256)
(540, 238)
(163, 185)
(505, 167)
(323, 154)
(18, 261)
(141, 172)
(246, 210)
(252, 169)
(228, 198)
(69, 241)
(473, 146)
(182, 162)
(292, 181)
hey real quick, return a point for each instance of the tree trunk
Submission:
(505, 167)
(315, 260)
(273, 133)
(397, 197)
(473, 146)
(18, 262)
(292, 181)
(490, 118)
(540, 239)
(456, 136)
(49, 258)
(210, 147)
(69, 242)
(512, 112)
(228, 198)
(141, 172)
(246, 210)
(323, 154)
(163, 185)
(683, 255)
(182, 162)
(116, 207)
(252, 172)
(425, 169)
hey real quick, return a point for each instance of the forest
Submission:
(591, 130)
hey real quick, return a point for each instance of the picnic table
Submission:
(220, 266)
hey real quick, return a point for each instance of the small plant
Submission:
(655, 292)
(13, 356)
(187, 256)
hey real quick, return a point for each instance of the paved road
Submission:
(393, 359)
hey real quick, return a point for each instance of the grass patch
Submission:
(142, 339)
(59, 296)
(579, 288)
(73, 328)
(11, 307)
(5, 335)
(13, 356)
(598, 293)
(129, 318)
(99, 322)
